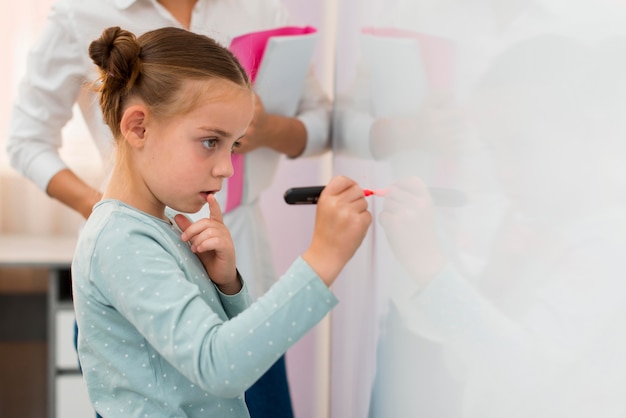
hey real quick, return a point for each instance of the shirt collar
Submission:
(123, 4)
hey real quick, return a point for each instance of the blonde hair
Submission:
(153, 68)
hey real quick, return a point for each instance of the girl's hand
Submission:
(341, 222)
(211, 242)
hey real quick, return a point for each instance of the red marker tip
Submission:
(369, 192)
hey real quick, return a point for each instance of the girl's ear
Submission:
(133, 125)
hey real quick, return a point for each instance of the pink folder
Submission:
(249, 49)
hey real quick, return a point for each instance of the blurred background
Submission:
(491, 282)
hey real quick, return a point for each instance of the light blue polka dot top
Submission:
(158, 339)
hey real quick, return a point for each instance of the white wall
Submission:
(510, 305)
(526, 318)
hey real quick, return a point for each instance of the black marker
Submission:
(310, 195)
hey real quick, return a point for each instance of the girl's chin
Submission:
(189, 207)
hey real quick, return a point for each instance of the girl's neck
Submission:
(127, 188)
(180, 9)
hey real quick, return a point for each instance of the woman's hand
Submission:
(285, 135)
(256, 134)
(211, 241)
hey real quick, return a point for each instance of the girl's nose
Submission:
(225, 167)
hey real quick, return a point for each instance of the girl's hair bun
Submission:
(153, 68)
(118, 54)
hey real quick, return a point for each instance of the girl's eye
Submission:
(236, 145)
(210, 143)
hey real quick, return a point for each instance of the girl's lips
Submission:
(206, 193)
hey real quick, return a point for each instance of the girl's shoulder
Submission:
(113, 222)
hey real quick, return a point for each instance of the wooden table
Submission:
(36, 252)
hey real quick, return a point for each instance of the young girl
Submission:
(166, 326)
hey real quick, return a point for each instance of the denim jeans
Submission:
(76, 348)
(269, 397)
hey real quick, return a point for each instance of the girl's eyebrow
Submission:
(219, 132)
(215, 131)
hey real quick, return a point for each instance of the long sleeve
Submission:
(142, 298)
(55, 74)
